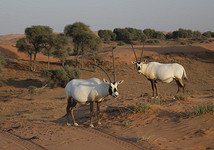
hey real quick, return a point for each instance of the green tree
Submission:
(38, 36)
(25, 47)
(169, 35)
(207, 34)
(87, 42)
(175, 35)
(107, 35)
(62, 48)
(49, 47)
(196, 35)
(149, 33)
(212, 34)
(83, 38)
(159, 35)
(76, 29)
(184, 33)
(129, 34)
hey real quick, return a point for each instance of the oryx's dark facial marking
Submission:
(113, 89)
(110, 90)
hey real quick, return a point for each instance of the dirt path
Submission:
(49, 135)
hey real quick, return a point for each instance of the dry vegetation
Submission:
(32, 116)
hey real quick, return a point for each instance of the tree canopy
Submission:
(38, 37)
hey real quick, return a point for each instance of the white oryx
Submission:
(155, 71)
(90, 91)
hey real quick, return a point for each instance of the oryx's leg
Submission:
(91, 113)
(72, 113)
(71, 104)
(98, 112)
(153, 84)
(180, 84)
(156, 87)
(68, 110)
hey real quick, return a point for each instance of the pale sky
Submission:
(161, 15)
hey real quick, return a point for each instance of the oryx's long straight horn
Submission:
(104, 71)
(141, 56)
(134, 52)
(113, 64)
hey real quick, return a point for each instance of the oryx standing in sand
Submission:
(155, 71)
(90, 91)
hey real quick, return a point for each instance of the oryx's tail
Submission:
(185, 75)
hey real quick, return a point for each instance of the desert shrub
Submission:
(183, 43)
(140, 108)
(121, 43)
(191, 42)
(203, 108)
(60, 77)
(153, 41)
(3, 79)
(32, 90)
(181, 96)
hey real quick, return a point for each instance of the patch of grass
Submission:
(155, 101)
(121, 43)
(128, 124)
(116, 109)
(181, 96)
(143, 138)
(32, 90)
(203, 108)
(183, 43)
(140, 108)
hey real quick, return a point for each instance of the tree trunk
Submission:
(82, 59)
(63, 63)
(34, 68)
(31, 66)
(48, 61)
(95, 62)
(77, 60)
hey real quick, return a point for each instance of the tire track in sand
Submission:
(8, 139)
(122, 143)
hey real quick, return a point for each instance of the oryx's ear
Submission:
(119, 82)
(133, 62)
(145, 61)
(105, 81)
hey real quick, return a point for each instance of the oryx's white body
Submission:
(91, 90)
(163, 72)
(155, 71)
(85, 91)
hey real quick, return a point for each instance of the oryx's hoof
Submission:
(91, 125)
(75, 124)
(68, 124)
